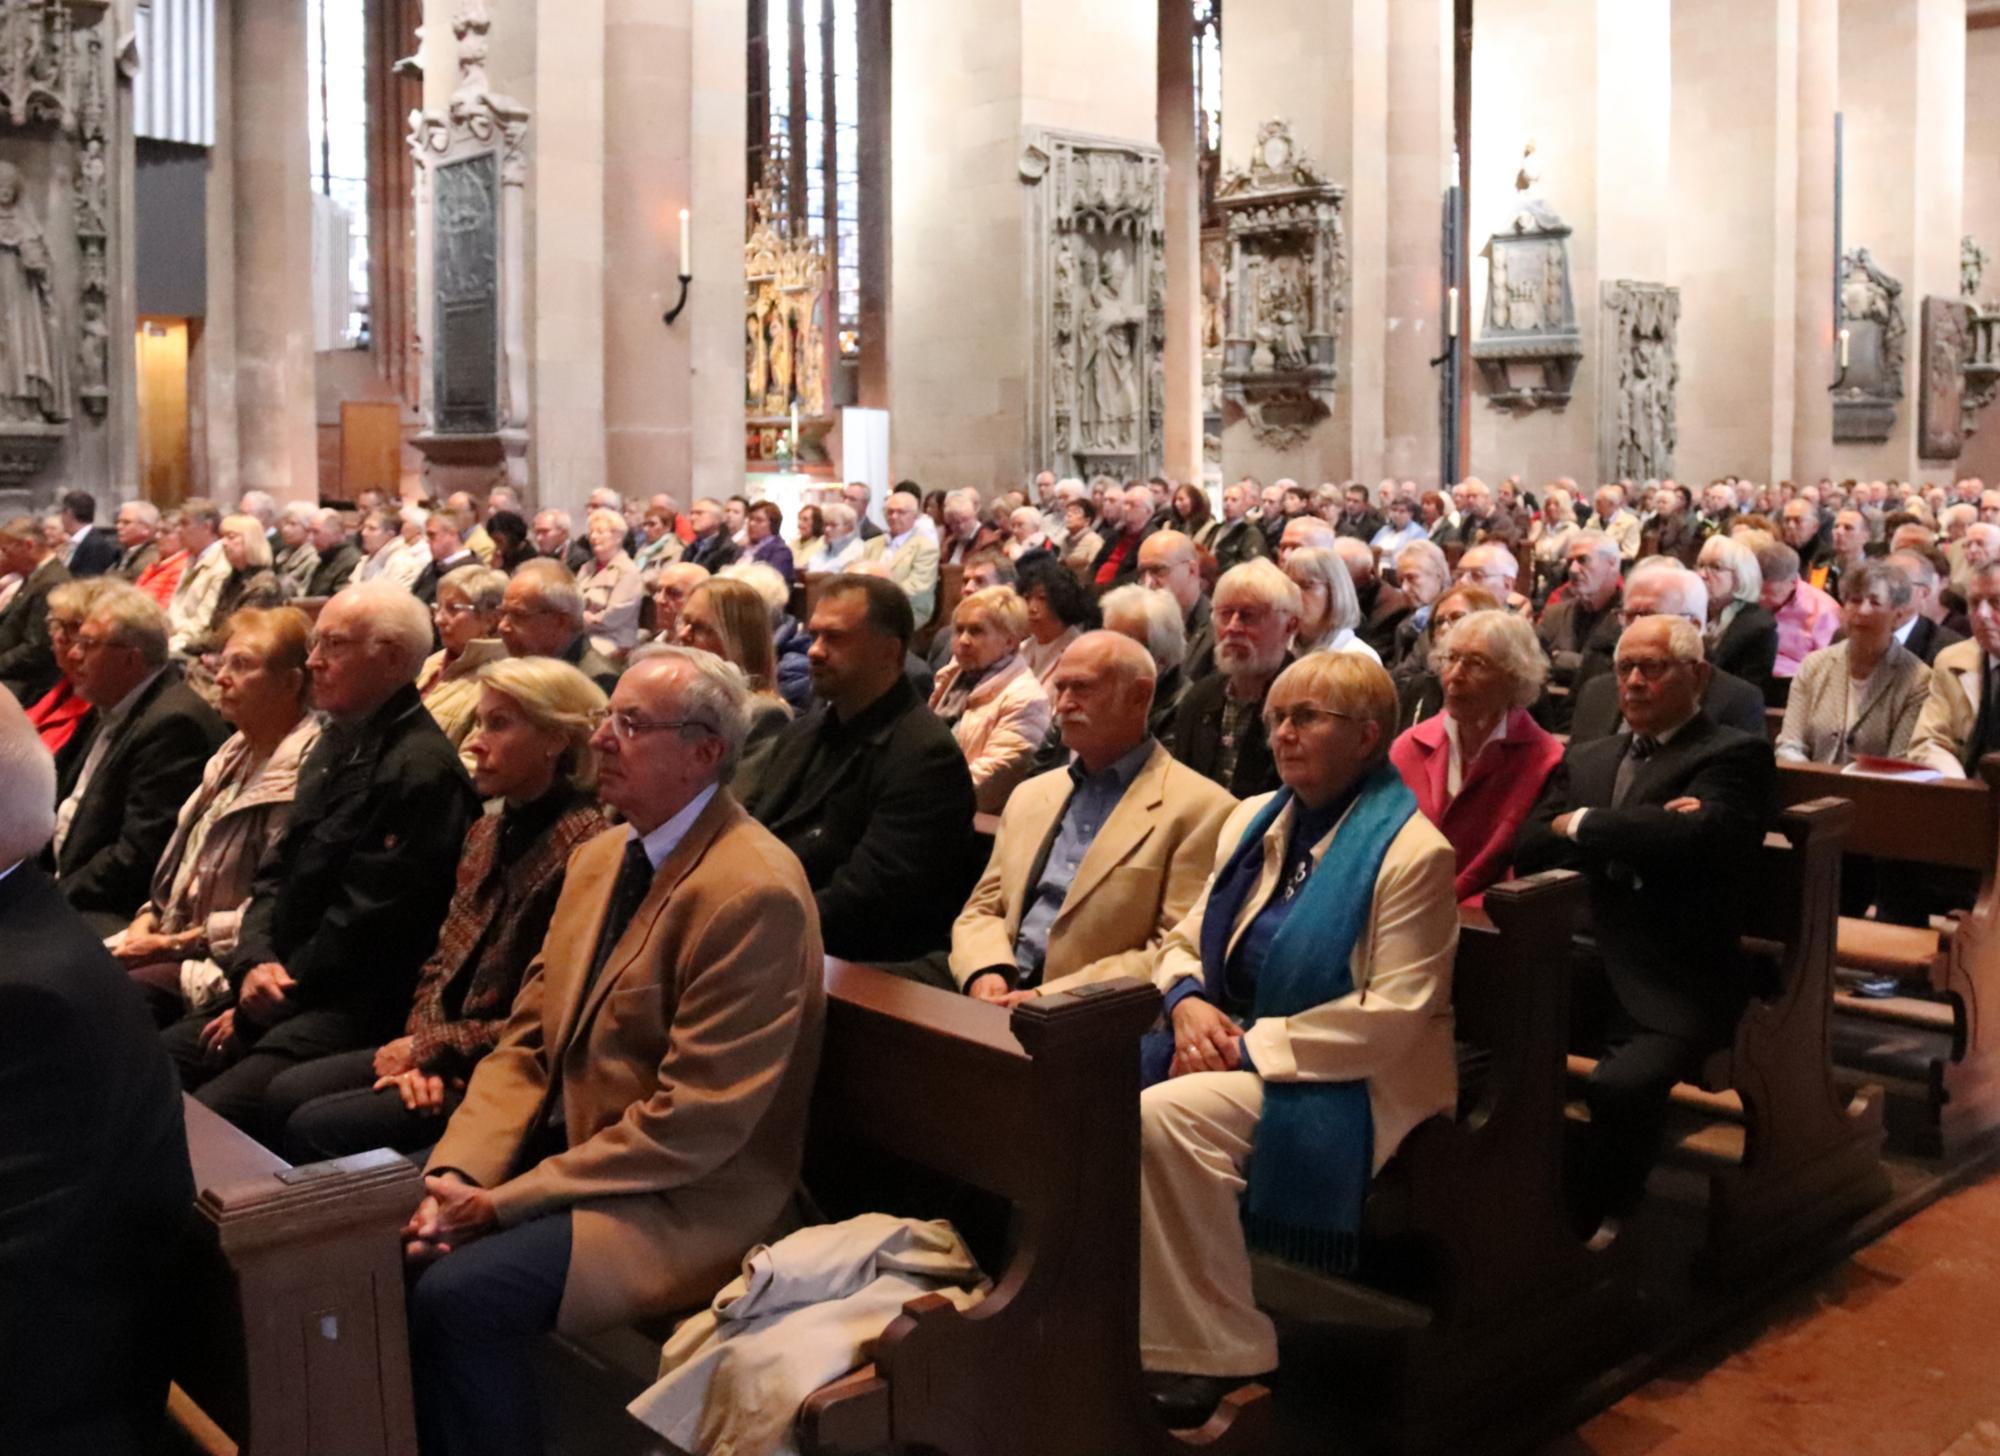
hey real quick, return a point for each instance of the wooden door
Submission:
(165, 462)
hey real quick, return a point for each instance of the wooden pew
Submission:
(1789, 1155)
(1938, 1045)
(294, 1339)
(951, 583)
(1474, 1296)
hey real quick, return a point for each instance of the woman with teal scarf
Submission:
(1309, 994)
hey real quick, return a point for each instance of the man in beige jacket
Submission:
(640, 1125)
(1960, 722)
(1094, 863)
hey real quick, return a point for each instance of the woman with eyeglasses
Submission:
(1863, 694)
(728, 616)
(530, 751)
(1420, 693)
(1478, 767)
(1309, 995)
(467, 618)
(237, 816)
(62, 717)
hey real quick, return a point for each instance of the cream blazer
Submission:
(913, 566)
(1395, 1028)
(1951, 710)
(1140, 876)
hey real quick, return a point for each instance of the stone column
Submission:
(1177, 139)
(1419, 155)
(567, 253)
(968, 80)
(1982, 203)
(1737, 198)
(1588, 82)
(273, 249)
(1902, 89)
(1813, 351)
(212, 420)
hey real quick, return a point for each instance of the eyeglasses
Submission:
(1248, 616)
(1471, 661)
(1652, 669)
(453, 609)
(1303, 717)
(331, 643)
(629, 725)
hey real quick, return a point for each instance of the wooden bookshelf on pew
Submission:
(1936, 1046)
(294, 1339)
(1791, 1157)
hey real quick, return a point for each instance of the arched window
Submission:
(337, 83)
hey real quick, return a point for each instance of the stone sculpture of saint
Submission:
(34, 372)
(779, 331)
(1110, 403)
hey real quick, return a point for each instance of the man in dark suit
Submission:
(869, 789)
(1238, 539)
(542, 616)
(93, 549)
(712, 546)
(1659, 589)
(1219, 728)
(93, 1161)
(1922, 629)
(346, 909)
(137, 526)
(857, 495)
(27, 663)
(1664, 821)
(338, 556)
(448, 553)
(154, 737)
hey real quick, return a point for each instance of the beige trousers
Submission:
(1196, 1312)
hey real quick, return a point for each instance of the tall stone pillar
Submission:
(673, 395)
(1183, 248)
(979, 91)
(1419, 153)
(1737, 180)
(1982, 204)
(1813, 350)
(268, 108)
(1902, 89)
(1587, 81)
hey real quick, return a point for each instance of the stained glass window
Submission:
(337, 80)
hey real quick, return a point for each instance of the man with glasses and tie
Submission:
(1961, 719)
(1664, 821)
(641, 1123)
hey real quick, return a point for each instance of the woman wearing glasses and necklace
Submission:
(1309, 994)
(1478, 766)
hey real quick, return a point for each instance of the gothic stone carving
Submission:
(1214, 331)
(1097, 263)
(1529, 347)
(1637, 432)
(1972, 261)
(55, 298)
(1286, 287)
(785, 336)
(1947, 341)
(1871, 311)
(472, 170)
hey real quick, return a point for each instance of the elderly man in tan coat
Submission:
(1093, 863)
(641, 1123)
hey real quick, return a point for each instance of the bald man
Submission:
(1093, 863)
(1168, 563)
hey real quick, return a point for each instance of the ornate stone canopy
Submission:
(1871, 373)
(1529, 348)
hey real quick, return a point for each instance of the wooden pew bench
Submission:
(1473, 1294)
(1037, 1110)
(1789, 1155)
(1936, 1045)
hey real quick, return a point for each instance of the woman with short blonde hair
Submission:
(1330, 611)
(989, 695)
(466, 615)
(612, 587)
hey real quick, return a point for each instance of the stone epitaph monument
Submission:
(1097, 282)
(59, 127)
(471, 176)
(1871, 361)
(1285, 294)
(1637, 429)
(1528, 348)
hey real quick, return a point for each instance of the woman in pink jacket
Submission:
(1478, 767)
(988, 695)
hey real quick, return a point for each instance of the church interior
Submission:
(1490, 275)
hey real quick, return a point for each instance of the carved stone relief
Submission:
(1286, 291)
(1529, 348)
(1947, 339)
(785, 340)
(1214, 330)
(55, 226)
(1097, 261)
(1637, 429)
(471, 178)
(1871, 375)
(1972, 261)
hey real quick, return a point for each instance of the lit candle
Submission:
(1843, 348)
(795, 429)
(687, 247)
(1451, 315)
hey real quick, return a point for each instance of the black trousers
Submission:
(1627, 1096)
(328, 1108)
(236, 1089)
(476, 1317)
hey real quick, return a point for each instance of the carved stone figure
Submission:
(1972, 261)
(1871, 377)
(787, 304)
(1285, 285)
(34, 375)
(1097, 284)
(1941, 386)
(1638, 431)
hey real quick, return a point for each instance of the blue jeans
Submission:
(476, 1317)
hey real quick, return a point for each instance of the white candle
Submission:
(687, 247)
(795, 429)
(1843, 348)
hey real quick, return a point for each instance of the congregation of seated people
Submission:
(441, 828)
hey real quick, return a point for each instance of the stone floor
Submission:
(1894, 1353)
